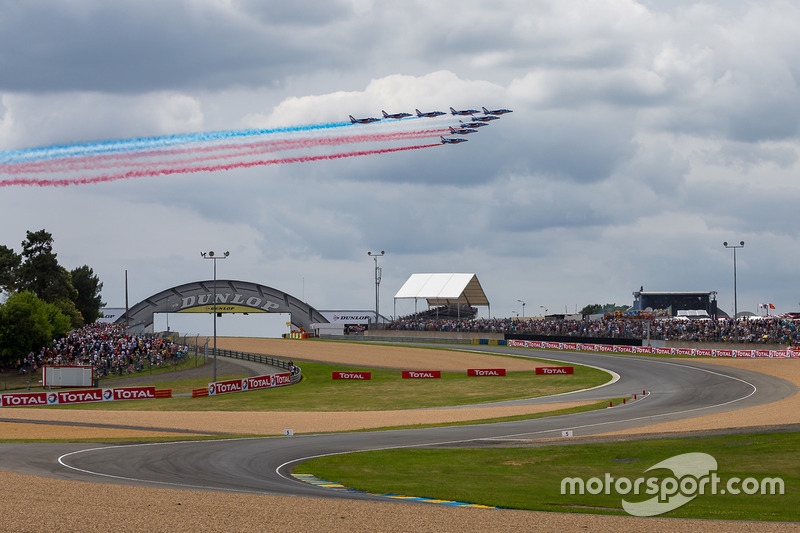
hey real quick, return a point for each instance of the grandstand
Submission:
(454, 311)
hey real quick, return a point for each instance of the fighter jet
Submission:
(463, 111)
(429, 114)
(473, 124)
(485, 118)
(496, 111)
(395, 115)
(363, 120)
(461, 131)
(453, 140)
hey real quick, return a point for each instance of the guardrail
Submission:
(296, 373)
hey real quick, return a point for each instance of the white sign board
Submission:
(67, 376)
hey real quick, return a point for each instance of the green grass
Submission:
(530, 478)
(385, 391)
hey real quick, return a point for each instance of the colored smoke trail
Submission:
(145, 143)
(228, 151)
(211, 168)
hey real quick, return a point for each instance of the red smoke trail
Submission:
(192, 170)
(109, 161)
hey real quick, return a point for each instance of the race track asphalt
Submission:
(676, 389)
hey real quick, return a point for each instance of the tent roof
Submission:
(443, 289)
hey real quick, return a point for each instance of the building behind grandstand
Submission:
(695, 304)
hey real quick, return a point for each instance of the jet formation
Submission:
(463, 128)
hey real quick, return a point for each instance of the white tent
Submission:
(443, 289)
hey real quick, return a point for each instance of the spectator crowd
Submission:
(108, 349)
(762, 330)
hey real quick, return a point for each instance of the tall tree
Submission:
(27, 324)
(9, 263)
(591, 309)
(40, 272)
(88, 286)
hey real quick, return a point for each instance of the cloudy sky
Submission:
(644, 134)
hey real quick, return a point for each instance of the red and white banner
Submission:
(224, 387)
(421, 374)
(486, 371)
(246, 384)
(24, 399)
(75, 396)
(547, 370)
(258, 382)
(283, 378)
(129, 393)
(694, 352)
(351, 375)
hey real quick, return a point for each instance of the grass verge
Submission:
(385, 391)
(530, 478)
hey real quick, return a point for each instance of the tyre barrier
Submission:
(490, 342)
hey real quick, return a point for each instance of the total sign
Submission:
(222, 387)
(486, 371)
(131, 393)
(82, 396)
(351, 375)
(547, 370)
(23, 399)
(421, 374)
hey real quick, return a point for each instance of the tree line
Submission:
(43, 300)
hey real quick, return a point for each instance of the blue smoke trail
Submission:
(145, 143)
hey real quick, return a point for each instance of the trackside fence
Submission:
(295, 372)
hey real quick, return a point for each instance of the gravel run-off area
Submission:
(38, 504)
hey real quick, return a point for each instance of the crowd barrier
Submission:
(694, 352)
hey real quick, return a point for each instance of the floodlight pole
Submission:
(523, 308)
(735, 303)
(210, 255)
(377, 284)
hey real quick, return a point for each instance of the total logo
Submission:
(547, 370)
(108, 394)
(486, 372)
(52, 398)
(421, 374)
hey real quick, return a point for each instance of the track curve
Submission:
(677, 389)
